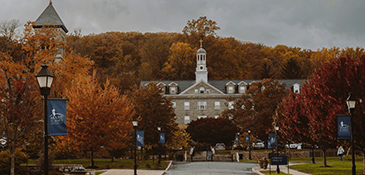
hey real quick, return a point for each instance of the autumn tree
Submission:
(201, 27)
(212, 131)
(291, 70)
(180, 138)
(255, 109)
(97, 116)
(154, 110)
(181, 62)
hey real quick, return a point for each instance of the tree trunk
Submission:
(324, 157)
(92, 158)
(12, 166)
(313, 159)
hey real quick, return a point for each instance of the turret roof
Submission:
(50, 17)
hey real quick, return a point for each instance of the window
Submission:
(242, 89)
(230, 105)
(230, 89)
(208, 91)
(186, 105)
(216, 116)
(202, 105)
(172, 90)
(196, 91)
(173, 104)
(199, 117)
(217, 105)
(296, 88)
(186, 119)
(201, 90)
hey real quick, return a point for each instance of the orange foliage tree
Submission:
(97, 116)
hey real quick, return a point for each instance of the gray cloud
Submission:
(307, 24)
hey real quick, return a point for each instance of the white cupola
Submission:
(201, 72)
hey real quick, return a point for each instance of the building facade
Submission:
(201, 98)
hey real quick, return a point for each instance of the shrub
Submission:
(5, 162)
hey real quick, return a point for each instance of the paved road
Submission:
(211, 168)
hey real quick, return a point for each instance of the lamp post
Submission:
(159, 150)
(351, 102)
(135, 124)
(45, 79)
(277, 146)
(249, 144)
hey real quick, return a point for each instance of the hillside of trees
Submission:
(126, 58)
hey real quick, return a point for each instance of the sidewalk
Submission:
(283, 168)
(131, 172)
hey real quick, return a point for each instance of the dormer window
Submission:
(230, 89)
(196, 91)
(172, 90)
(242, 89)
(208, 91)
(296, 88)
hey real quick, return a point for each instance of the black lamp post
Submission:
(351, 102)
(45, 79)
(277, 146)
(159, 142)
(249, 144)
(135, 124)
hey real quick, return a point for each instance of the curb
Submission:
(168, 167)
(254, 169)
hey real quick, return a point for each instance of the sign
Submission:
(273, 139)
(237, 139)
(269, 144)
(279, 160)
(247, 138)
(140, 138)
(344, 126)
(57, 117)
(162, 137)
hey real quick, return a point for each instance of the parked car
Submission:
(258, 145)
(220, 146)
(294, 146)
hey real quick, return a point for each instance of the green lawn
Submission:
(335, 166)
(117, 164)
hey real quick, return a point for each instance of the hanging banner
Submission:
(273, 139)
(237, 139)
(140, 138)
(162, 137)
(269, 144)
(57, 117)
(344, 126)
(247, 138)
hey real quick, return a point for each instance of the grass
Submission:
(117, 164)
(335, 166)
(99, 172)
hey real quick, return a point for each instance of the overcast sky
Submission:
(302, 23)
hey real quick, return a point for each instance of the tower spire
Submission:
(201, 43)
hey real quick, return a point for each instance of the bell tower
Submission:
(50, 19)
(201, 72)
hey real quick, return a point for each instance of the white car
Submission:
(220, 147)
(294, 146)
(258, 145)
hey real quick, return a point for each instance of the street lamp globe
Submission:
(351, 101)
(135, 121)
(44, 79)
(276, 127)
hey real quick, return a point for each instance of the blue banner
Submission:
(273, 139)
(247, 138)
(269, 144)
(162, 137)
(140, 138)
(344, 126)
(57, 117)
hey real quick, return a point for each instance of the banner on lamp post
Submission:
(162, 137)
(57, 117)
(273, 140)
(140, 138)
(344, 126)
(247, 138)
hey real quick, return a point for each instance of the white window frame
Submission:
(201, 90)
(186, 105)
(202, 105)
(242, 89)
(217, 105)
(296, 88)
(186, 120)
(196, 91)
(172, 90)
(173, 104)
(230, 105)
(230, 89)
(199, 117)
(208, 91)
